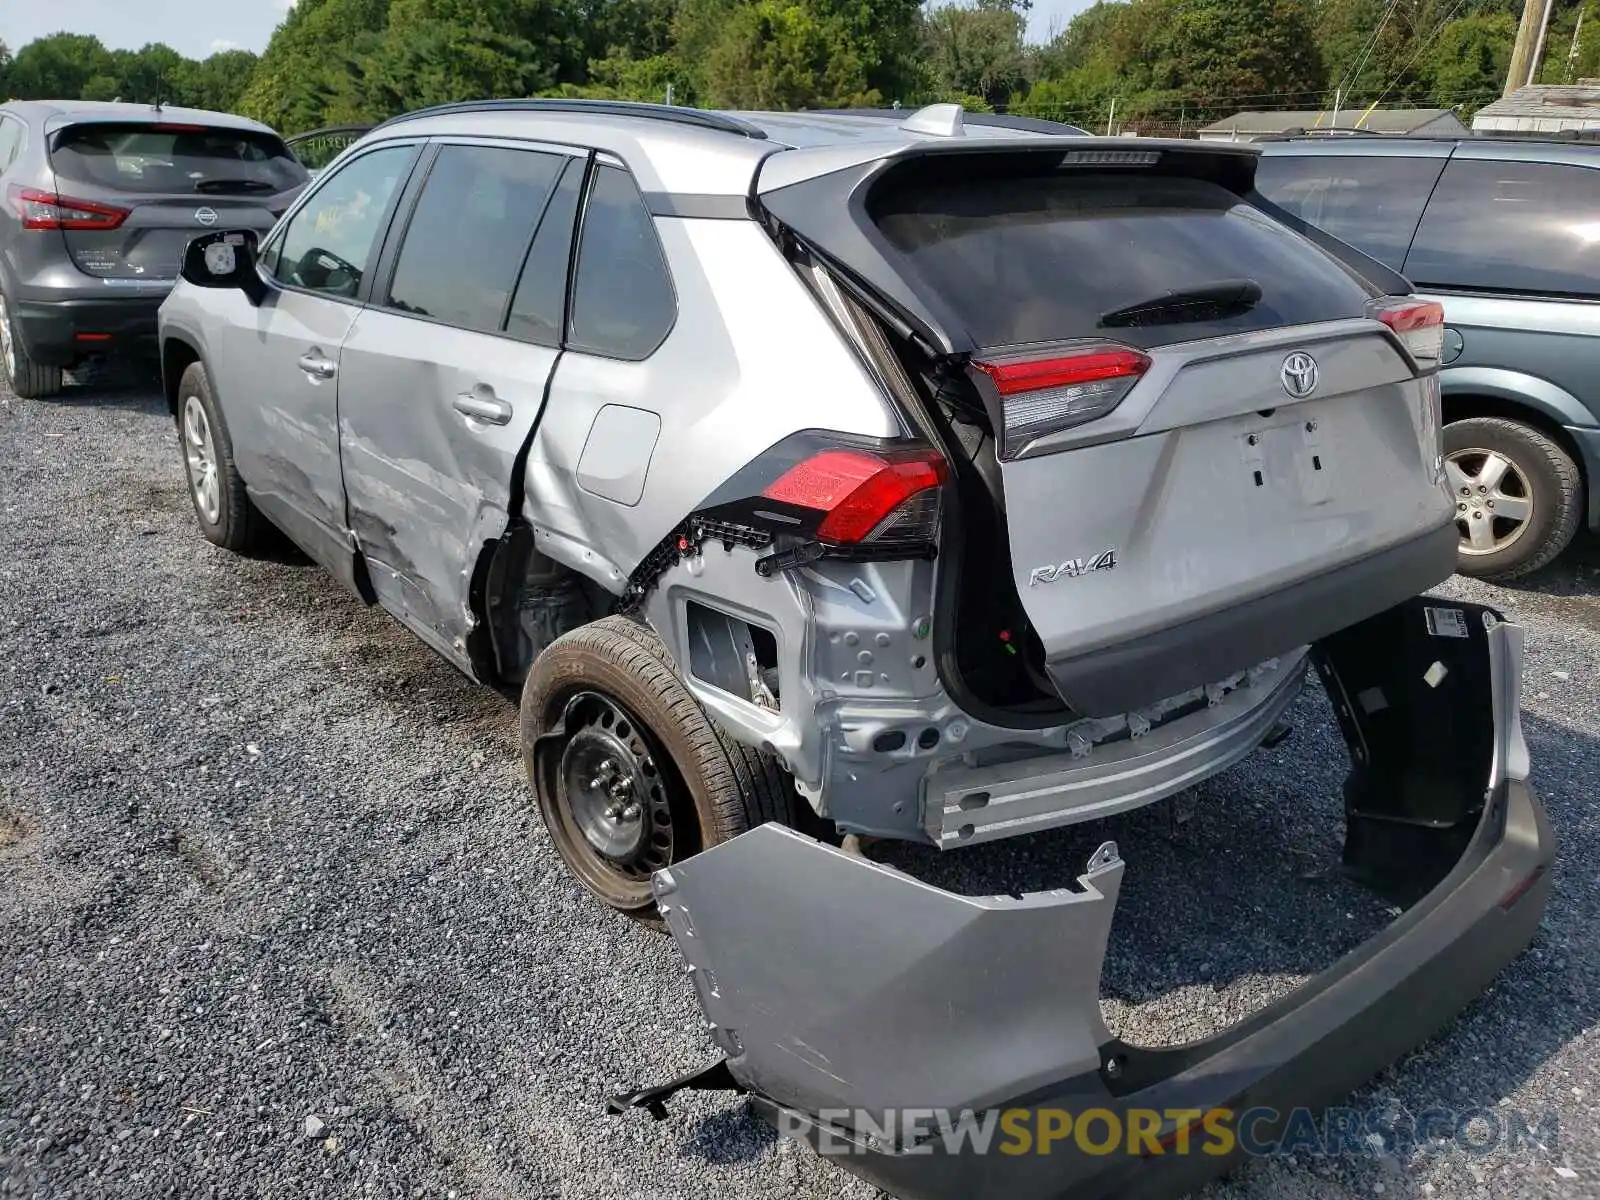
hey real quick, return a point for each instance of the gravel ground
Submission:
(277, 918)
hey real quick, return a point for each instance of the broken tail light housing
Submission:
(1419, 324)
(48, 210)
(1043, 395)
(867, 497)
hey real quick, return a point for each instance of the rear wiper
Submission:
(235, 185)
(1207, 302)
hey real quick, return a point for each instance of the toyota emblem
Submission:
(1299, 374)
(208, 216)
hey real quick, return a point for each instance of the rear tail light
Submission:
(1039, 396)
(1419, 324)
(866, 496)
(47, 210)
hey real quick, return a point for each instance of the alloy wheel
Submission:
(1494, 501)
(201, 456)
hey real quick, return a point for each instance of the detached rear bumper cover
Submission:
(835, 985)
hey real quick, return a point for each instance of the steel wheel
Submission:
(201, 456)
(1494, 501)
(613, 793)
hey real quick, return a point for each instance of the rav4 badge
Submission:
(1073, 568)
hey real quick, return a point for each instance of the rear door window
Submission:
(539, 307)
(623, 305)
(161, 159)
(1044, 258)
(1511, 226)
(1372, 202)
(469, 233)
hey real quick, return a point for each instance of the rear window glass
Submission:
(175, 160)
(1373, 203)
(1511, 226)
(1052, 257)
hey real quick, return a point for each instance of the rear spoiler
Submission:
(827, 213)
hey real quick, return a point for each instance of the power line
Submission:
(1352, 76)
(1422, 44)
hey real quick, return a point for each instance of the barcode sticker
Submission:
(1446, 622)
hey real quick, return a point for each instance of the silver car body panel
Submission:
(730, 380)
(890, 1043)
(1113, 764)
(1283, 490)
(938, 1001)
(942, 1000)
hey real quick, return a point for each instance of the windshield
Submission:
(175, 159)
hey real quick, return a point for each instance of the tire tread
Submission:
(1569, 481)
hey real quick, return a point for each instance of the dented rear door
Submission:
(443, 378)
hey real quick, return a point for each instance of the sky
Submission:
(196, 28)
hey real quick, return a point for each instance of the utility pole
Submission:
(1538, 48)
(1112, 116)
(1338, 96)
(1572, 55)
(1524, 51)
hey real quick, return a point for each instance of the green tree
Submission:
(976, 51)
(1086, 37)
(772, 54)
(57, 67)
(217, 82)
(1224, 55)
(1467, 63)
(146, 75)
(313, 56)
(428, 62)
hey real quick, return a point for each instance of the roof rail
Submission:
(698, 117)
(994, 120)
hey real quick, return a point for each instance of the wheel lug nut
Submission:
(1461, 507)
(1482, 491)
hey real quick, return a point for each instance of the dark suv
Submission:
(1506, 234)
(97, 203)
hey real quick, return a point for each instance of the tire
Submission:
(226, 515)
(710, 786)
(27, 379)
(1537, 476)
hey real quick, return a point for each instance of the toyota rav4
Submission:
(927, 477)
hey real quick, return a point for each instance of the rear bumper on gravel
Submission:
(848, 996)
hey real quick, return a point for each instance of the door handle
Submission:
(481, 404)
(316, 365)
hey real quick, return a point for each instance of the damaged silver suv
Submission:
(932, 477)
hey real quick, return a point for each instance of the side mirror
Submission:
(225, 259)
